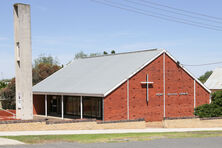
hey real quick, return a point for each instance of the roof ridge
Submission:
(129, 52)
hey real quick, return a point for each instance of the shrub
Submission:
(211, 110)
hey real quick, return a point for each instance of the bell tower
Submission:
(23, 61)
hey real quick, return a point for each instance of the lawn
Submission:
(96, 138)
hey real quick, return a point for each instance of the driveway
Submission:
(211, 142)
(4, 141)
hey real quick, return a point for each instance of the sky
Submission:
(62, 28)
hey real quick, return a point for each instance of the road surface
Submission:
(211, 142)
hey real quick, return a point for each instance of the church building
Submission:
(148, 84)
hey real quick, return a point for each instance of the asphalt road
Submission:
(212, 142)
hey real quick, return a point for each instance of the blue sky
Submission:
(61, 28)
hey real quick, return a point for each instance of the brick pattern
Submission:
(202, 96)
(38, 104)
(139, 108)
(115, 104)
(179, 88)
(178, 81)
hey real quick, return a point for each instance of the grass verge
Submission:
(98, 138)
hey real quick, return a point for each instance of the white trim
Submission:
(146, 82)
(147, 88)
(144, 65)
(194, 93)
(164, 86)
(128, 100)
(188, 72)
(67, 94)
(103, 108)
(46, 114)
(81, 108)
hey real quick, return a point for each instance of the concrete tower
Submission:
(23, 61)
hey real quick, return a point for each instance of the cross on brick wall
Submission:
(147, 87)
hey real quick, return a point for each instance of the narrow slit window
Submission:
(18, 51)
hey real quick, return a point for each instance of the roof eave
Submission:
(67, 94)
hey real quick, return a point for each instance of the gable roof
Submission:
(95, 76)
(99, 76)
(215, 79)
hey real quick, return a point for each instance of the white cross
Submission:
(147, 87)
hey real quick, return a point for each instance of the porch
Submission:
(71, 107)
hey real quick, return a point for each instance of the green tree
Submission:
(8, 95)
(204, 77)
(211, 110)
(104, 52)
(113, 52)
(3, 84)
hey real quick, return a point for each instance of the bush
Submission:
(211, 110)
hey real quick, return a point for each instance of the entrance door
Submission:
(54, 102)
(54, 105)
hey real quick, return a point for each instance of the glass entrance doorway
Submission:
(54, 106)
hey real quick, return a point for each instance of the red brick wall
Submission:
(38, 104)
(115, 104)
(138, 104)
(202, 96)
(177, 81)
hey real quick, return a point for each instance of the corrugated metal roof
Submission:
(96, 75)
(215, 79)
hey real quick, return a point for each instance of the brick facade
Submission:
(115, 104)
(179, 90)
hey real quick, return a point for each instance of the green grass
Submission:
(97, 138)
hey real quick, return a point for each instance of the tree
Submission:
(46, 60)
(8, 95)
(113, 52)
(44, 66)
(2, 84)
(204, 77)
(80, 55)
(211, 110)
(94, 54)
